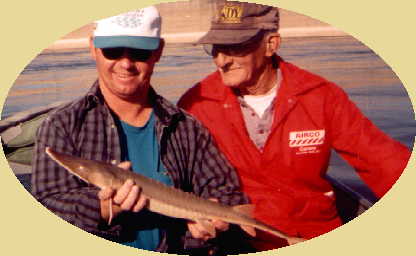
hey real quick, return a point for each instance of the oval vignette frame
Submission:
(375, 217)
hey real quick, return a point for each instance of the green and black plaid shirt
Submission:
(86, 128)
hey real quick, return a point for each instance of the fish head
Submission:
(96, 173)
(93, 172)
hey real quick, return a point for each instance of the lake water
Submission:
(61, 75)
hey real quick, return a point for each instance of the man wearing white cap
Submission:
(120, 119)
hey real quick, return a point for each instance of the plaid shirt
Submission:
(86, 128)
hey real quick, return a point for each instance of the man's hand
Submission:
(127, 198)
(206, 229)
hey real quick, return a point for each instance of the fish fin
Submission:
(110, 207)
(110, 218)
(294, 240)
(208, 226)
(246, 209)
(249, 229)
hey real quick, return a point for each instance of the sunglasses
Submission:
(235, 50)
(134, 54)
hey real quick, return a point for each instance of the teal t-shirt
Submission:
(139, 145)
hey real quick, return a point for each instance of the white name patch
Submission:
(306, 138)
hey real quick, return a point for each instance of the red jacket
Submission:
(286, 182)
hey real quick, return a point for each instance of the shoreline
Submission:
(190, 37)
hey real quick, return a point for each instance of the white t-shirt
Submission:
(260, 103)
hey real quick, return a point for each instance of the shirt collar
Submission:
(94, 95)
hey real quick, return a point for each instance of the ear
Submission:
(158, 52)
(273, 43)
(92, 48)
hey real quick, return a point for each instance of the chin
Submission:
(231, 82)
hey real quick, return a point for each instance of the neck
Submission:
(265, 82)
(134, 111)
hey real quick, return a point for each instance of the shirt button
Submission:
(290, 101)
(113, 126)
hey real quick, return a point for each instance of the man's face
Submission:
(240, 65)
(124, 72)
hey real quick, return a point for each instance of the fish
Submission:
(163, 199)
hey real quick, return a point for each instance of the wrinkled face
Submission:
(124, 72)
(239, 65)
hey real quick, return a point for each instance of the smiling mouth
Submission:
(124, 75)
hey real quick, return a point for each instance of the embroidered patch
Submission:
(306, 138)
(231, 13)
(131, 19)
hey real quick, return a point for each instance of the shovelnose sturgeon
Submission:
(163, 199)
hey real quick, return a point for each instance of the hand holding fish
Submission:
(132, 191)
(199, 230)
(126, 198)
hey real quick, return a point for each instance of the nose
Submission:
(126, 61)
(223, 60)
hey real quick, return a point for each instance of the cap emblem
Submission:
(131, 19)
(231, 13)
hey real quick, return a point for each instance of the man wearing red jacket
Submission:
(277, 124)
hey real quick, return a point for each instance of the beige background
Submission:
(187, 21)
(28, 27)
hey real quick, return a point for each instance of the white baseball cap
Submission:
(139, 29)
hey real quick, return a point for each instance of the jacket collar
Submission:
(297, 81)
(213, 88)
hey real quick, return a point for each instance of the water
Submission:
(61, 75)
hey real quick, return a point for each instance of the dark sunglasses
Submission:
(237, 50)
(134, 54)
